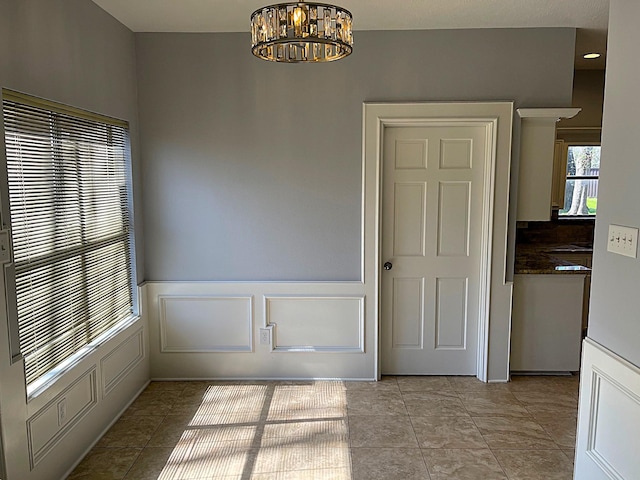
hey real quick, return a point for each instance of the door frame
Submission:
(496, 118)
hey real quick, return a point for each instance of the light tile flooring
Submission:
(405, 428)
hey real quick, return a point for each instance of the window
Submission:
(581, 187)
(69, 197)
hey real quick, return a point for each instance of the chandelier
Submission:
(301, 32)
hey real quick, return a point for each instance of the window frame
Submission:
(566, 176)
(43, 381)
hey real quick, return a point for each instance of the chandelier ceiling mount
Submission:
(301, 32)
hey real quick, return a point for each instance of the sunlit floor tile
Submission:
(330, 432)
(235, 437)
(308, 397)
(300, 459)
(300, 413)
(197, 461)
(202, 418)
(328, 473)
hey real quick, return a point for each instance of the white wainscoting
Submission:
(63, 421)
(117, 364)
(316, 323)
(206, 323)
(608, 441)
(211, 330)
(46, 428)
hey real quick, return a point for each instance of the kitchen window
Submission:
(69, 189)
(581, 184)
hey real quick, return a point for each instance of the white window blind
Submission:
(69, 199)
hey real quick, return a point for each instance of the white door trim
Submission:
(378, 116)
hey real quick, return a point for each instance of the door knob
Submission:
(387, 265)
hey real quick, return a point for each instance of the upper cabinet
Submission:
(537, 152)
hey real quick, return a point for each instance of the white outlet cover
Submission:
(62, 411)
(265, 336)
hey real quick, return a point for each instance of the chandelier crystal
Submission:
(301, 32)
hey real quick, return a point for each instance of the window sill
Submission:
(573, 218)
(41, 385)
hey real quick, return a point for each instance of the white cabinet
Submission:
(537, 150)
(585, 260)
(546, 322)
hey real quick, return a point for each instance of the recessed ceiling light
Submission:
(590, 56)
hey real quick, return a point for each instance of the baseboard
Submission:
(263, 379)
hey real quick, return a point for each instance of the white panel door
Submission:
(433, 181)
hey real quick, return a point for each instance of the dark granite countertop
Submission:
(540, 259)
(571, 248)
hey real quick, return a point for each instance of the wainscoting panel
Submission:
(609, 416)
(204, 330)
(206, 323)
(120, 361)
(316, 324)
(47, 427)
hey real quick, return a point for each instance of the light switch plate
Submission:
(623, 240)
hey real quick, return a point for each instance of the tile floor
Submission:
(405, 428)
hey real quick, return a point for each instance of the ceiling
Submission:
(590, 17)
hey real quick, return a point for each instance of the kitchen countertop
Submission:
(540, 259)
(568, 249)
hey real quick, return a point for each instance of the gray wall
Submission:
(73, 52)
(252, 170)
(588, 94)
(614, 319)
